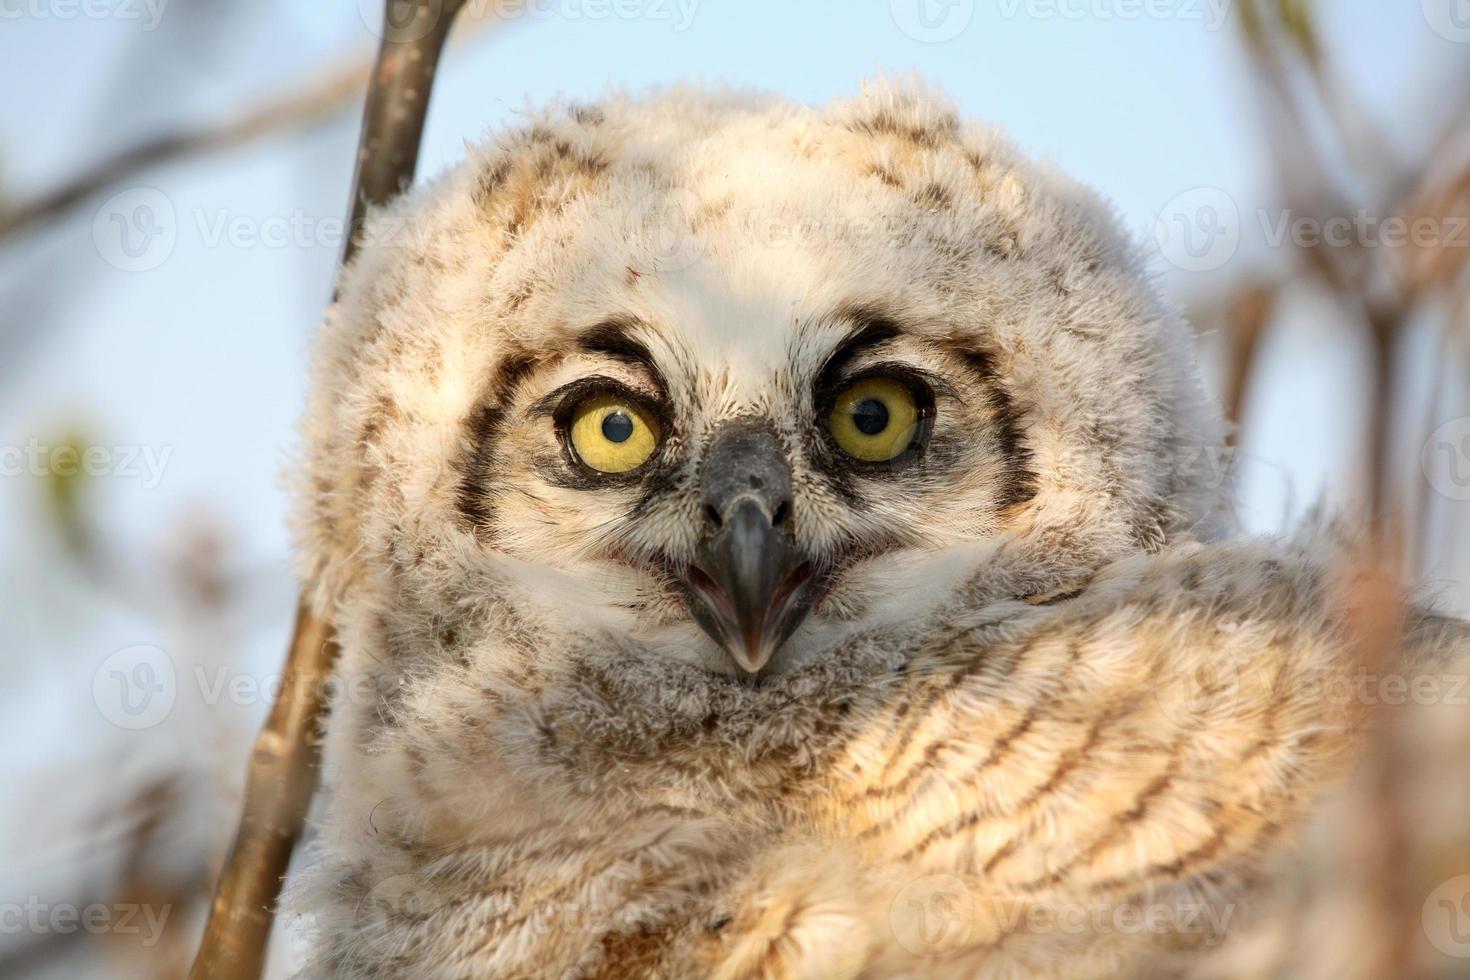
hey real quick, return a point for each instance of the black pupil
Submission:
(870, 416)
(617, 427)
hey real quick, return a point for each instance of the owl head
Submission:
(729, 380)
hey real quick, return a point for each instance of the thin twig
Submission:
(306, 105)
(1246, 316)
(317, 101)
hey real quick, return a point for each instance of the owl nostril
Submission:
(783, 511)
(713, 516)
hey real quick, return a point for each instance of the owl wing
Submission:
(1071, 789)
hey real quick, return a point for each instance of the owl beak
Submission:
(750, 585)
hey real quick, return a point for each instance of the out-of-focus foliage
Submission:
(66, 484)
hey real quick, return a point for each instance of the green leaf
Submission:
(66, 485)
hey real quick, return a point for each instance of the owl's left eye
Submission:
(875, 419)
(612, 434)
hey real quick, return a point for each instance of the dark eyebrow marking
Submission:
(1021, 478)
(874, 329)
(616, 338)
(482, 429)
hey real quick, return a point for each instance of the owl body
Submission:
(1002, 681)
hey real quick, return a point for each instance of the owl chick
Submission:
(776, 542)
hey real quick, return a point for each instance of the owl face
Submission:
(744, 480)
(726, 381)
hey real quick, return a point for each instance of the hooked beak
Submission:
(751, 587)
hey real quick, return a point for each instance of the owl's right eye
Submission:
(611, 433)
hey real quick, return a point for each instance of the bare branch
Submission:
(1246, 318)
(281, 781)
(283, 769)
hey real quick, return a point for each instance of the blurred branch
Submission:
(314, 102)
(1246, 316)
(158, 803)
(154, 873)
(1434, 267)
(1457, 303)
(308, 103)
(1283, 43)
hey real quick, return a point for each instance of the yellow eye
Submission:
(611, 434)
(875, 419)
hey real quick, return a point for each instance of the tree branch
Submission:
(279, 786)
(283, 769)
